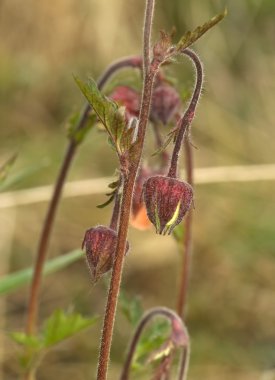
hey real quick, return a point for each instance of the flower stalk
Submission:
(179, 338)
(188, 116)
(149, 72)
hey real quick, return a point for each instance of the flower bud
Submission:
(165, 104)
(167, 200)
(100, 245)
(129, 98)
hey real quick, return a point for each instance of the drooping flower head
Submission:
(165, 103)
(167, 201)
(100, 245)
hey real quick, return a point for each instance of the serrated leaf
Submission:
(109, 113)
(191, 36)
(131, 308)
(152, 340)
(164, 145)
(28, 341)
(5, 168)
(61, 326)
(170, 137)
(109, 200)
(114, 185)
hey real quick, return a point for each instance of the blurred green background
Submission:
(231, 310)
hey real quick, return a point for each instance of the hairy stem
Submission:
(167, 313)
(116, 211)
(187, 240)
(32, 309)
(184, 125)
(188, 116)
(147, 31)
(127, 193)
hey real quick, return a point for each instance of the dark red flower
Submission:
(129, 98)
(167, 200)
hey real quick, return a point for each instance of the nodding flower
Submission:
(167, 200)
(100, 246)
(165, 103)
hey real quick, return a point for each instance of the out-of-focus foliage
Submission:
(58, 327)
(231, 309)
(14, 281)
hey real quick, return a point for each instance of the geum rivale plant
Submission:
(141, 195)
(166, 198)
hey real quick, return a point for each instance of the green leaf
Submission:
(110, 114)
(5, 168)
(170, 137)
(13, 281)
(153, 338)
(58, 327)
(76, 133)
(131, 308)
(115, 187)
(190, 37)
(30, 341)
(61, 326)
(109, 200)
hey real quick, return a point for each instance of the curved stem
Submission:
(187, 240)
(32, 309)
(127, 193)
(167, 313)
(184, 365)
(44, 240)
(188, 116)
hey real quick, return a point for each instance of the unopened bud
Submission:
(129, 98)
(167, 200)
(165, 104)
(100, 244)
